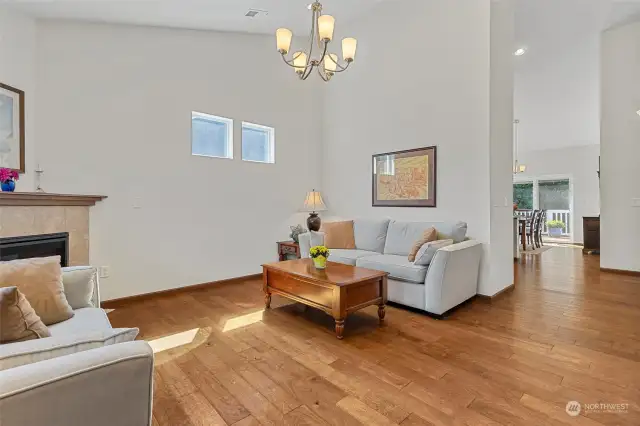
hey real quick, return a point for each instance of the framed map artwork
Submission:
(405, 178)
(11, 128)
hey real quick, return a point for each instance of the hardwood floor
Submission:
(566, 333)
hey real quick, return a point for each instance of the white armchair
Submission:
(86, 373)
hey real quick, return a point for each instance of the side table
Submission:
(288, 248)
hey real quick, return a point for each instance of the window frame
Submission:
(271, 132)
(228, 122)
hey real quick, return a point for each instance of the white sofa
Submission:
(450, 279)
(63, 381)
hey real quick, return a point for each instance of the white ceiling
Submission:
(222, 15)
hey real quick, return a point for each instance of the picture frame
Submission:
(12, 128)
(405, 178)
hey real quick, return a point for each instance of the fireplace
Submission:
(44, 245)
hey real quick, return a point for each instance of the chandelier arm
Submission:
(304, 76)
(321, 74)
(340, 67)
(290, 63)
(324, 52)
(311, 37)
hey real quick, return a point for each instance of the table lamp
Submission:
(313, 204)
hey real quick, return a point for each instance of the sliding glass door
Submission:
(550, 194)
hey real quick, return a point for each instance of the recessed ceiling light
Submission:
(520, 51)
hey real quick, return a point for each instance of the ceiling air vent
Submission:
(252, 13)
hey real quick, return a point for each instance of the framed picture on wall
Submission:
(11, 128)
(405, 178)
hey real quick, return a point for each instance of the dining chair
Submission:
(531, 228)
(542, 217)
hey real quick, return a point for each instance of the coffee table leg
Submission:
(339, 328)
(267, 300)
(381, 312)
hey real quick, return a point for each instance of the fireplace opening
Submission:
(12, 248)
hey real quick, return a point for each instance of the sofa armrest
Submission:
(81, 286)
(99, 387)
(308, 240)
(453, 275)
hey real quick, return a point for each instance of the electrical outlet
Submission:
(103, 271)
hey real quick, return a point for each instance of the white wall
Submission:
(17, 69)
(114, 112)
(620, 150)
(424, 80)
(557, 94)
(580, 164)
(501, 147)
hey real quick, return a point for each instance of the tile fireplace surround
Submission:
(27, 213)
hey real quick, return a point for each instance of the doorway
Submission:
(553, 194)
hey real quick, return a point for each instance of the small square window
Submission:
(211, 136)
(258, 143)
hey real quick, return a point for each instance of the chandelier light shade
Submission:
(327, 64)
(331, 63)
(326, 24)
(517, 167)
(349, 49)
(283, 38)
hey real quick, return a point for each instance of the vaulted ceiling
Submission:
(222, 15)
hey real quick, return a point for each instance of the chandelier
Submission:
(321, 35)
(517, 167)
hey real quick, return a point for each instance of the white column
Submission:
(620, 149)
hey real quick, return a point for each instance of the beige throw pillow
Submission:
(18, 320)
(40, 280)
(339, 235)
(428, 235)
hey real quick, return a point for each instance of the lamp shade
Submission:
(300, 61)
(326, 24)
(283, 40)
(330, 62)
(349, 46)
(313, 202)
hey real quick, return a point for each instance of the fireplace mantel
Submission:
(47, 199)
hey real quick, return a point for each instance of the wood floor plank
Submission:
(199, 411)
(259, 407)
(204, 379)
(303, 416)
(567, 332)
(363, 413)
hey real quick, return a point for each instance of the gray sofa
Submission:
(450, 279)
(72, 378)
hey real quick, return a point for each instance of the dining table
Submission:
(522, 226)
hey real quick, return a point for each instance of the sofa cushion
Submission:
(370, 234)
(428, 235)
(396, 265)
(339, 235)
(18, 320)
(428, 250)
(348, 257)
(402, 235)
(79, 282)
(84, 321)
(40, 280)
(16, 354)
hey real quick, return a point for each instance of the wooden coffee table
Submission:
(338, 290)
